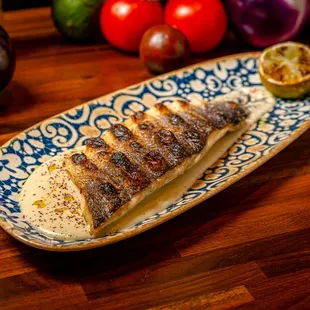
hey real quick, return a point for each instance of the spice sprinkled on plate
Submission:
(51, 202)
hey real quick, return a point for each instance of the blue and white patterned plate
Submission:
(21, 155)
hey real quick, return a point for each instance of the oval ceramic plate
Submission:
(21, 155)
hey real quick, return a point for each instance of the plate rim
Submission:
(183, 208)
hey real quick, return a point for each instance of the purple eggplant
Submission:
(266, 22)
(7, 59)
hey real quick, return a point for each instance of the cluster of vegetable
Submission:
(165, 33)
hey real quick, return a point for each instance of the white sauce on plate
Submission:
(51, 202)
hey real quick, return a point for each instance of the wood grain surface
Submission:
(246, 248)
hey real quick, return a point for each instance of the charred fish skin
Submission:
(219, 115)
(102, 197)
(116, 165)
(188, 137)
(183, 109)
(132, 171)
(137, 153)
(157, 137)
(145, 152)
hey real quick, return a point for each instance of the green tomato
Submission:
(77, 20)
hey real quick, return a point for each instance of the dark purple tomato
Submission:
(7, 59)
(164, 48)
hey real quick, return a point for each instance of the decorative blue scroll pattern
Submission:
(29, 149)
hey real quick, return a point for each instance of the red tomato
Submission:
(123, 22)
(204, 22)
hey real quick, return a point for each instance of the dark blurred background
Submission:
(23, 4)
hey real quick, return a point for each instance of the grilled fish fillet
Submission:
(148, 150)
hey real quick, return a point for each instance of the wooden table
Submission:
(248, 247)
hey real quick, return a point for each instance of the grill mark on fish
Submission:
(97, 143)
(101, 204)
(137, 180)
(184, 110)
(121, 132)
(156, 137)
(186, 135)
(81, 160)
(101, 156)
(156, 162)
(139, 154)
